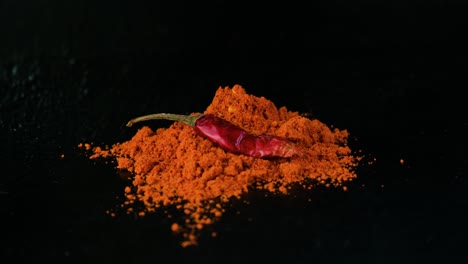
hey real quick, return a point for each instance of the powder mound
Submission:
(176, 167)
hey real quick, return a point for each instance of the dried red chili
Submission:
(231, 137)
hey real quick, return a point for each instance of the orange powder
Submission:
(176, 167)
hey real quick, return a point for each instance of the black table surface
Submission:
(391, 73)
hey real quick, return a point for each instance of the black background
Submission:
(390, 72)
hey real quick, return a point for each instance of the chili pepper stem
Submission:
(186, 119)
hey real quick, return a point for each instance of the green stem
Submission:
(186, 119)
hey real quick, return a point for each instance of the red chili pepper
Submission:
(231, 137)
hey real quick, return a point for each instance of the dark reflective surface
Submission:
(72, 73)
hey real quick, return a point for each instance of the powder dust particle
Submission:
(174, 167)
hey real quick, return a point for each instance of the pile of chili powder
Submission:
(174, 167)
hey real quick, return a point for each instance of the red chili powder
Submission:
(176, 167)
